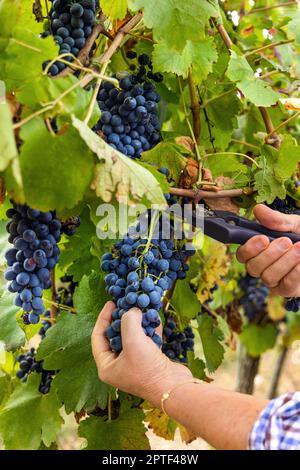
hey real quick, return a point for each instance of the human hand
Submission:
(141, 368)
(277, 263)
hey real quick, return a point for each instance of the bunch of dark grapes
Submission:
(29, 364)
(70, 226)
(129, 121)
(176, 343)
(64, 297)
(71, 24)
(35, 235)
(254, 296)
(140, 271)
(286, 206)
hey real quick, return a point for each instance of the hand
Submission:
(277, 263)
(141, 368)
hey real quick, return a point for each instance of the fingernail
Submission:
(260, 245)
(284, 244)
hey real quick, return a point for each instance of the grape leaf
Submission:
(196, 366)
(56, 170)
(29, 417)
(288, 158)
(186, 20)
(218, 126)
(10, 332)
(258, 339)
(159, 422)
(211, 338)
(127, 432)
(114, 9)
(293, 28)
(185, 302)
(8, 149)
(169, 155)
(117, 173)
(76, 254)
(266, 185)
(67, 347)
(255, 90)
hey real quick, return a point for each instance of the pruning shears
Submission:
(227, 227)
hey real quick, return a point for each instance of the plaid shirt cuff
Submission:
(278, 427)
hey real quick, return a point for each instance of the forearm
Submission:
(223, 418)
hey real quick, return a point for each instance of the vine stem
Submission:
(283, 124)
(223, 193)
(246, 144)
(195, 106)
(109, 407)
(268, 46)
(95, 94)
(244, 155)
(273, 7)
(53, 307)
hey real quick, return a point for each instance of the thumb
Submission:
(275, 220)
(131, 328)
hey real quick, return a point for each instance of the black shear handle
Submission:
(243, 229)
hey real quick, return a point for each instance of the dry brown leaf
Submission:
(186, 142)
(226, 203)
(186, 435)
(189, 176)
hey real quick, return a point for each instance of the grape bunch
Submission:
(286, 206)
(71, 24)
(28, 364)
(129, 121)
(70, 226)
(254, 296)
(140, 271)
(293, 304)
(34, 235)
(176, 343)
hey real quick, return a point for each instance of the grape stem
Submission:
(268, 46)
(273, 7)
(53, 308)
(192, 194)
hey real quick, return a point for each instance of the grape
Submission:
(28, 364)
(140, 280)
(254, 296)
(176, 343)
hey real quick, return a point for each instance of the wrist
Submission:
(173, 375)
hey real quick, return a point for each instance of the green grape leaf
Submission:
(76, 254)
(67, 347)
(8, 148)
(288, 158)
(29, 417)
(266, 185)
(217, 127)
(6, 389)
(117, 173)
(10, 332)
(127, 432)
(176, 22)
(293, 28)
(211, 338)
(200, 55)
(196, 366)
(114, 9)
(258, 339)
(169, 155)
(255, 90)
(56, 170)
(185, 302)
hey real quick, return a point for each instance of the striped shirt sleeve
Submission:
(278, 426)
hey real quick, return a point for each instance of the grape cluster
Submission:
(70, 226)
(293, 304)
(286, 206)
(29, 364)
(176, 343)
(254, 296)
(71, 24)
(140, 271)
(35, 235)
(129, 121)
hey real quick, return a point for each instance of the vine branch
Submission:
(273, 7)
(199, 194)
(268, 46)
(195, 107)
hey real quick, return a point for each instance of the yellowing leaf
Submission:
(159, 422)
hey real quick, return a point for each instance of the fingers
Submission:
(289, 285)
(131, 328)
(279, 269)
(252, 248)
(276, 220)
(257, 265)
(100, 343)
